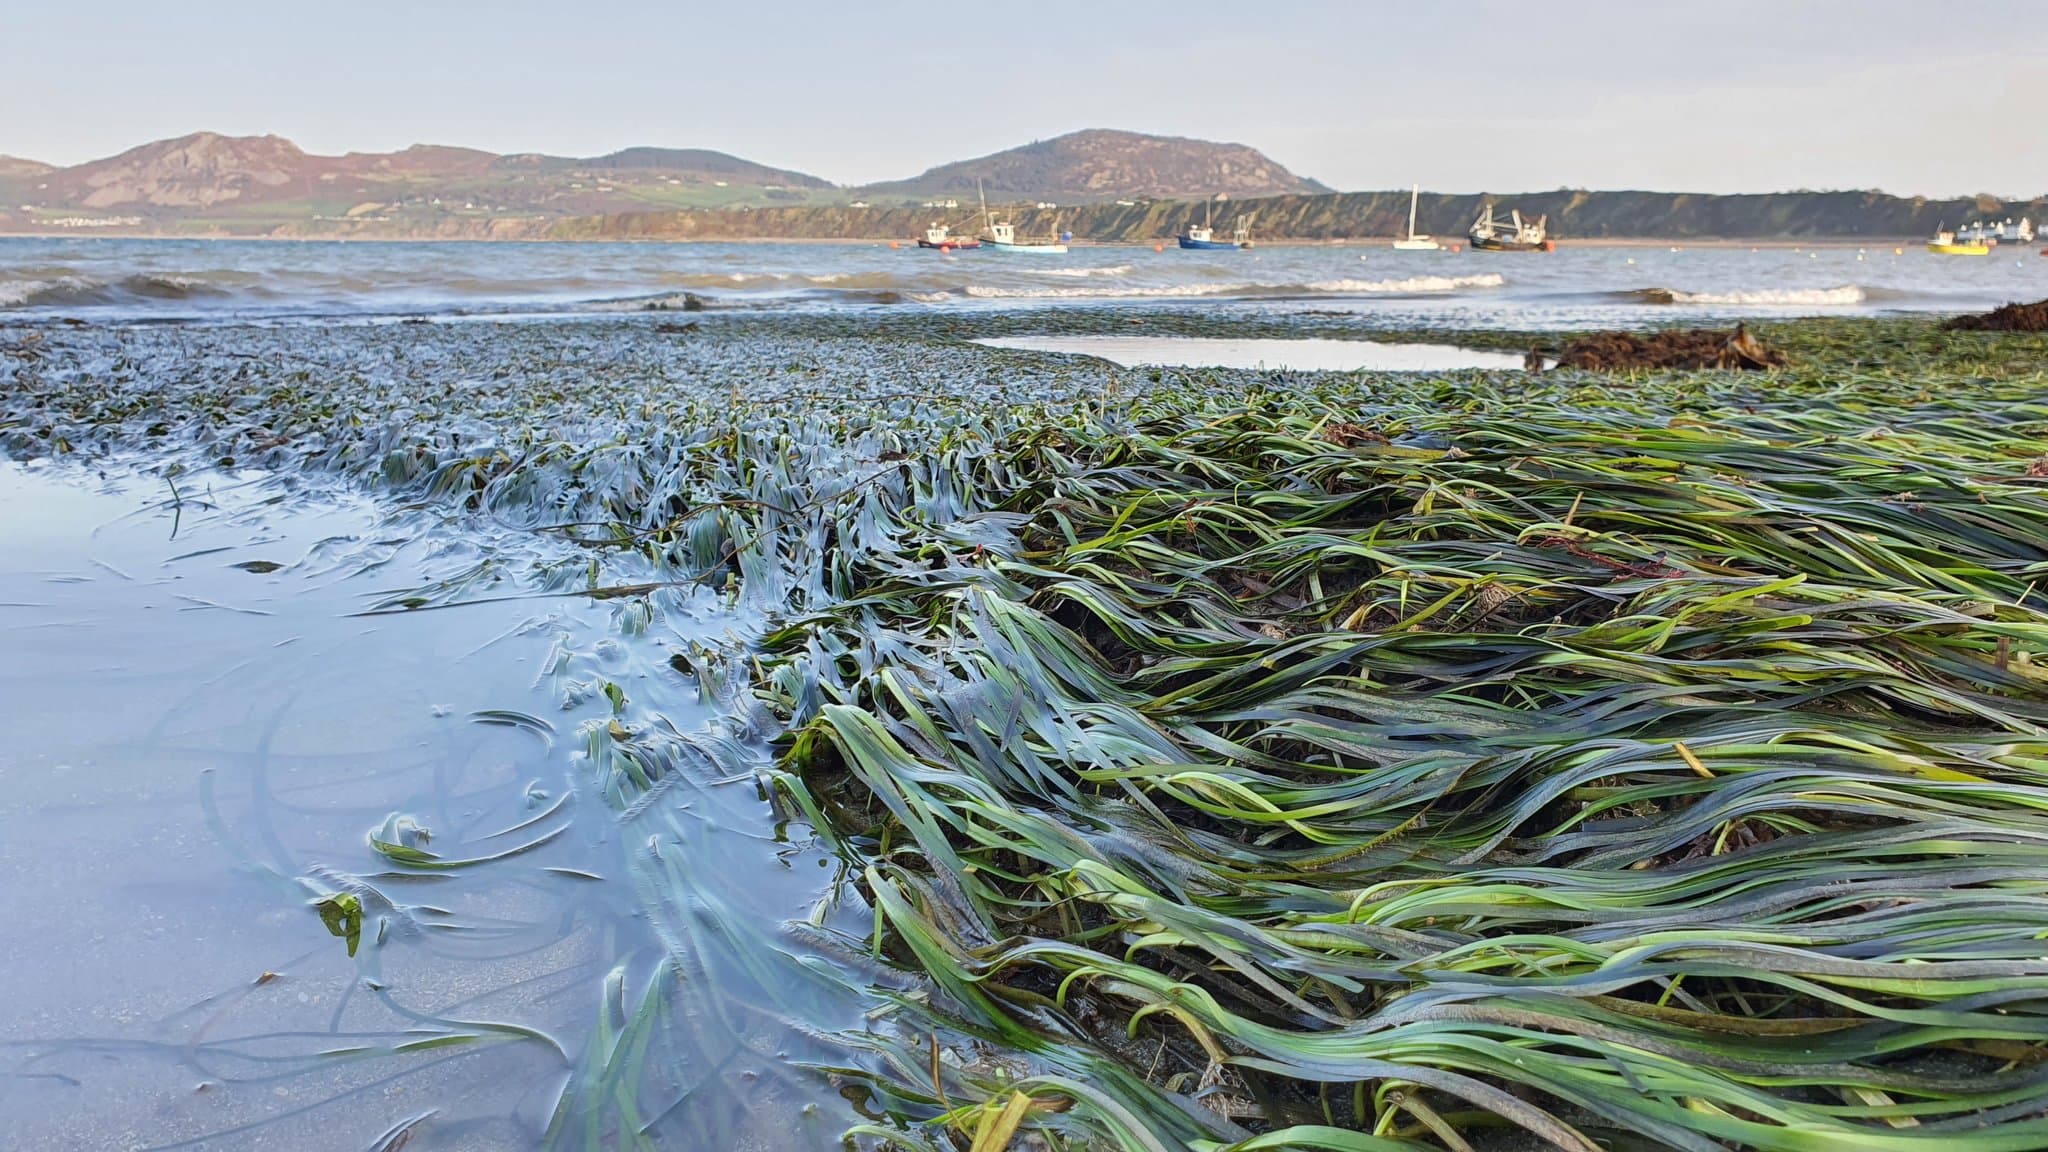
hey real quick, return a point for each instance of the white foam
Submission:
(14, 293)
(987, 292)
(1082, 273)
(1412, 284)
(1782, 297)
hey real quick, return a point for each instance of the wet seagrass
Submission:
(1251, 760)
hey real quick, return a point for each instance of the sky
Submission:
(1474, 95)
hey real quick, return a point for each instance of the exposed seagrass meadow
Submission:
(1241, 760)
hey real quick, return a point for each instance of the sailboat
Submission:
(1002, 235)
(1415, 241)
(1205, 236)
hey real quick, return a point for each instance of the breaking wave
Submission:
(85, 292)
(1082, 273)
(1842, 297)
(1412, 284)
(993, 292)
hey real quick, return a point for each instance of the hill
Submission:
(207, 182)
(196, 171)
(694, 161)
(1111, 186)
(1588, 215)
(15, 166)
(1100, 164)
(1574, 215)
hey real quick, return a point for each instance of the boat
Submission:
(1204, 236)
(1518, 235)
(1002, 235)
(2011, 233)
(1946, 243)
(940, 237)
(1416, 241)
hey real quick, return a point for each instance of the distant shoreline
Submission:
(905, 241)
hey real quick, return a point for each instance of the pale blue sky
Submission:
(1707, 95)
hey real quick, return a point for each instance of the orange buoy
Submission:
(1550, 245)
(945, 249)
(892, 244)
(1456, 248)
(1159, 247)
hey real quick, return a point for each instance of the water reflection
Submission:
(285, 875)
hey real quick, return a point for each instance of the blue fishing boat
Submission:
(1204, 236)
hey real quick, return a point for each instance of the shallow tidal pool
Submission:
(1307, 355)
(215, 709)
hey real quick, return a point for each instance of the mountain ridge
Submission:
(1110, 186)
(213, 182)
(267, 180)
(1107, 163)
(23, 166)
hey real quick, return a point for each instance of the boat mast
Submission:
(1413, 196)
(985, 221)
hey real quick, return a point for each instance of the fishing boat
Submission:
(941, 237)
(1002, 235)
(1204, 236)
(1517, 235)
(1946, 243)
(1415, 241)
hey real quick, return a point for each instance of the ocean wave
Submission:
(1082, 273)
(1412, 284)
(85, 292)
(1844, 296)
(992, 292)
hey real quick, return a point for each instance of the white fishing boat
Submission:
(941, 237)
(1002, 235)
(1514, 235)
(2009, 232)
(1416, 241)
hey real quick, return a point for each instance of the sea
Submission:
(1579, 285)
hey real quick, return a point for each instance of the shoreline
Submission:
(1789, 243)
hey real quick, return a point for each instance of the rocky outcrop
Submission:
(196, 171)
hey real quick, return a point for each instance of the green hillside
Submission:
(1336, 216)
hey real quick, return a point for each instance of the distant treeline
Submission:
(1337, 216)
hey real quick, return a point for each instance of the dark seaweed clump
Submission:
(1685, 349)
(2010, 318)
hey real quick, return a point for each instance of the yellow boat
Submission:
(1946, 244)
